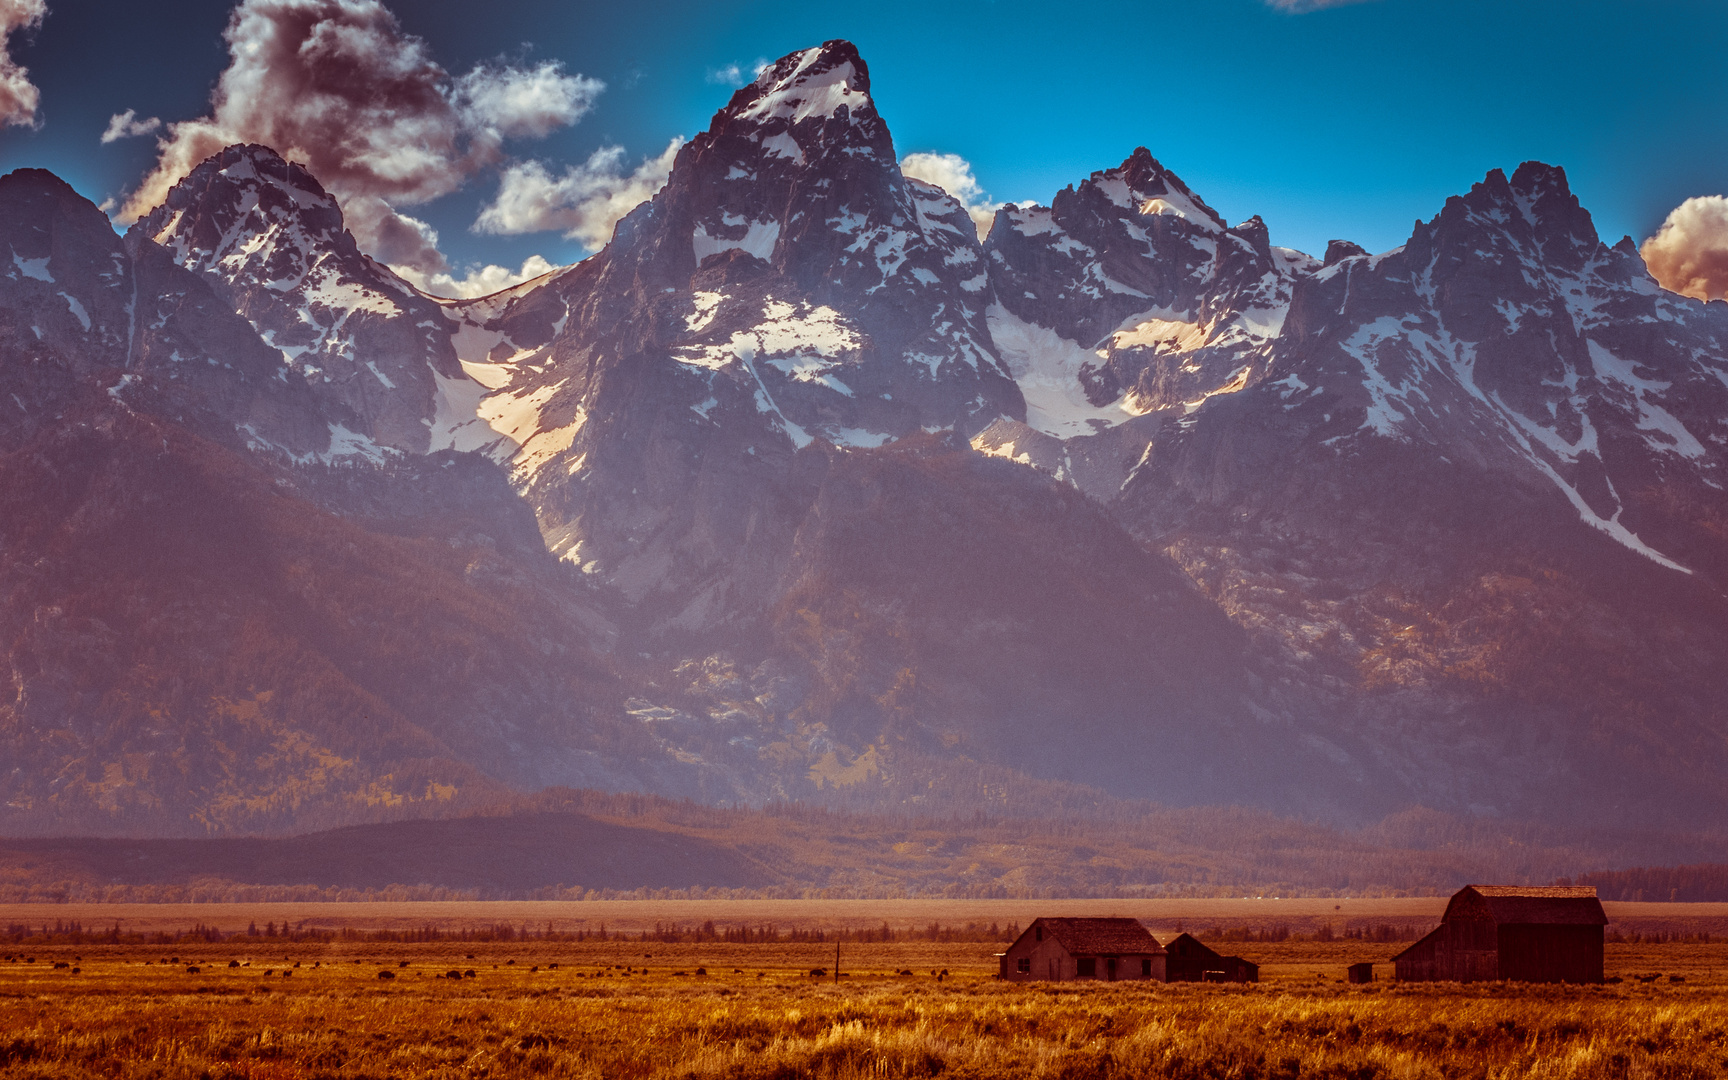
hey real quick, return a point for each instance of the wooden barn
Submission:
(1525, 934)
(1061, 949)
(1190, 961)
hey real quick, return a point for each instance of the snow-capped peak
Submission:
(815, 83)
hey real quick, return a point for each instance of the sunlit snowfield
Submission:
(647, 1009)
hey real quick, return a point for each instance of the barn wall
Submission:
(1191, 964)
(1419, 963)
(1550, 953)
(1469, 952)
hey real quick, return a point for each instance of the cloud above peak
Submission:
(341, 87)
(584, 203)
(1689, 253)
(19, 97)
(126, 125)
(736, 74)
(953, 174)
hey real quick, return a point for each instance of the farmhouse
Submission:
(1062, 949)
(1526, 934)
(1190, 961)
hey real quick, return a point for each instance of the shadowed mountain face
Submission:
(796, 490)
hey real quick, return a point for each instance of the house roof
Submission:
(1574, 905)
(1089, 936)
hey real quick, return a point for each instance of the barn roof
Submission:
(1190, 945)
(1557, 904)
(1087, 936)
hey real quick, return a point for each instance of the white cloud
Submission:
(482, 281)
(18, 95)
(735, 74)
(510, 102)
(126, 125)
(584, 203)
(1302, 7)
(1689, 253)
(339, 86)
(953, 174)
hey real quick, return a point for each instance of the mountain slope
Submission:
(1472, 517)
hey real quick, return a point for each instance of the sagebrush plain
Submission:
(646, 1009)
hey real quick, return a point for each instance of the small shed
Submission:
(1110, 950)
(1361, 973)
(1520, 933)
(1190, 961)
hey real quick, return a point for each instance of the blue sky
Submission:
(1346, 121)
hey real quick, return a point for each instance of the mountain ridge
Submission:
(797, 490)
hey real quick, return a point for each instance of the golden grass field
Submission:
(627, 1009)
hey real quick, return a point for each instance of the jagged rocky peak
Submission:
(789, 264)
(1129, 295)
(1534, 214)
(211, 220)
(272, 242)
(1339, 250)
(1505, 334)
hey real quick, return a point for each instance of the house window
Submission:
(1086, 968)
(1146, 967)
(1023, 965)
(1040, 933)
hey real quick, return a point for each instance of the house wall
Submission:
(1048, 960)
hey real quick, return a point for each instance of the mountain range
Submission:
(798, 490)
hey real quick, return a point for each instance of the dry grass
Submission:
(757, 1013)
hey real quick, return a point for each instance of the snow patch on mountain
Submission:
(1047, 367)
(758, 239)
(802, 93)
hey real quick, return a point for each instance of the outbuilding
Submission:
(1110, 950)
(1521, 933)
(1190, 961)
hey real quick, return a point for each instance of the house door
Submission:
(1110, 969)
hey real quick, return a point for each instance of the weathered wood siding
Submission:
(1551, 953)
